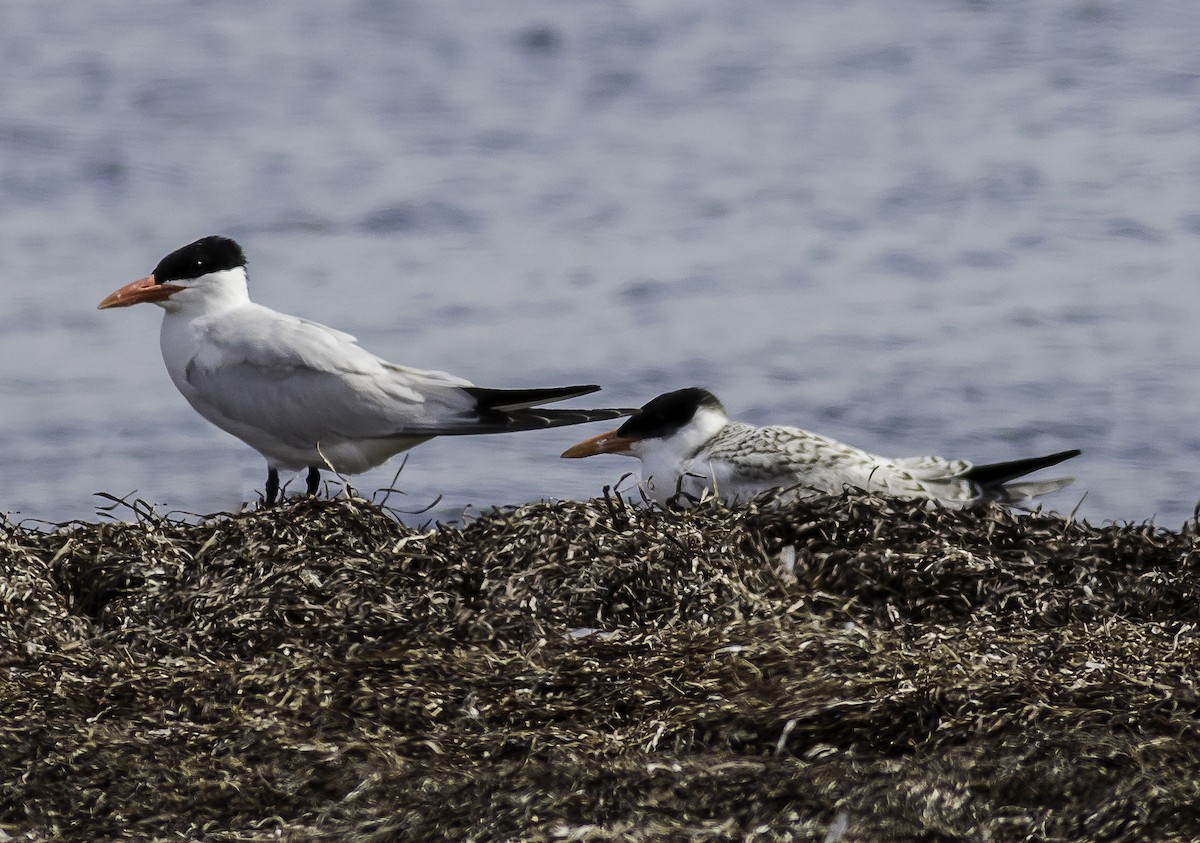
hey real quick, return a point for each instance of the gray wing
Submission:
(790, 456)
(305, 382)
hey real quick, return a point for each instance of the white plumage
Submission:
(305, 395)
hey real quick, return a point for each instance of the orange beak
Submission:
(605, 443)
(141, 290)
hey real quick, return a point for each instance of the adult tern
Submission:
(304, 395)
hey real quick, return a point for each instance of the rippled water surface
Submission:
(970, 228)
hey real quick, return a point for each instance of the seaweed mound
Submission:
(840, 668)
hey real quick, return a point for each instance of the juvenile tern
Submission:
(304, 395)
(688, 445)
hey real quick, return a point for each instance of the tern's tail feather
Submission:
(538, 419)
(495, 421)
(509, 410)
(502, 410)
(1021, 492)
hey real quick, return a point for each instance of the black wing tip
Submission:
(998, 473)
(1055, 458)
(577, 389)
(500, 400)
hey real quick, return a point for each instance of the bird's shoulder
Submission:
(269, 355)
(261, 338)
(778, 444)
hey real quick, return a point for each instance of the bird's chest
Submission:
(664, 477)
(183, 348)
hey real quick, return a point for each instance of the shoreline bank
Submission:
(842, 668)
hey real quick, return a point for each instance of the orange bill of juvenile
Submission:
(606, 443)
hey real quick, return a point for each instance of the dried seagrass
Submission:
(837, 669)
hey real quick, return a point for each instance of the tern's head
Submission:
(676, 423)
(211, 269)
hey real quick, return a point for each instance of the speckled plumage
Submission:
(689, 447)
(747, 460)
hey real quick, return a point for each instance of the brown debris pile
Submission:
(838, 669)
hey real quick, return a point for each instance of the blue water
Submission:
(969, 228)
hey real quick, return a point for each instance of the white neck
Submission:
(211, 293)
(664, 460)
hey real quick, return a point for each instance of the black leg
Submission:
(314, 479)
(272, 485)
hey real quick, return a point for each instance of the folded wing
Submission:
(304, 383)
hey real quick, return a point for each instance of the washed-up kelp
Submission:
(837, 669)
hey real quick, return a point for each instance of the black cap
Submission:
(663, 416)
(208, 254)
